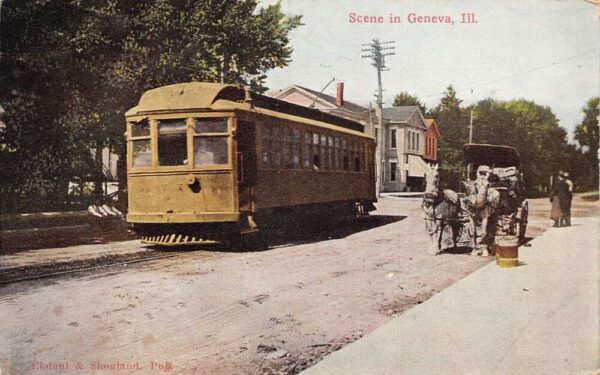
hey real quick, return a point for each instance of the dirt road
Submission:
(210, 312)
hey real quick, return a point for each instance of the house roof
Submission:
(432, 125)
(400, 114)
(327, 98)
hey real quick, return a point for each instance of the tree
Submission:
(540, 140)
(70, 69)
(586, 135)
(531, 128)
(405, 99)
(452, 122)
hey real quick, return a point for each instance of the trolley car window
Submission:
(357, 157)
(210, 141)
(338, 154)
(140, 144)
(276, 147)
(296, 161)
(211, 125)
(316, 157)
(210, 150)
(345, 159)
(266, 146)
(172, 142)
(140, 129)
(307, 149)
(324, 151)
(142, 154)
(288, 148)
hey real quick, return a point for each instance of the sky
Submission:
(547, 51)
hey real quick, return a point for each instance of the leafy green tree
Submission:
(540, 140)
(453, 124)
(70, 69)
(405, 99)
(533, 129)
(586, 134)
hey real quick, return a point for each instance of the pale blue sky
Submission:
(542, 50)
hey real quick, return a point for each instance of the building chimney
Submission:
(339, 99)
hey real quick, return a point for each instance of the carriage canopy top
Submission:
(491, 155)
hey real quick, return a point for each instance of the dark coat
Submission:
(561, 191)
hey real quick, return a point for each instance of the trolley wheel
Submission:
(522, 223)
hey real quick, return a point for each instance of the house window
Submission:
(393, 167)
(393, 138)
(418, 142)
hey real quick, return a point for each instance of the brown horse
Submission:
(441, 210)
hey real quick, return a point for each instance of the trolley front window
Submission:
(172, 142)
(211, 145)
(140, 144)
(142, 153)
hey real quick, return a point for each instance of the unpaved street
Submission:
(214, 312)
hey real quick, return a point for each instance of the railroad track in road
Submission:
(49, 270)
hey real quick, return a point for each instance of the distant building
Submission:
(432, 135)
(405, 147)
(406, 128)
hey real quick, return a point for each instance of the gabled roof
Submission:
(399, 114)
(331, 100)
(432, 125)
(402, 114)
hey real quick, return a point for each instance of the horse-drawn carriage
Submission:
(494, 202)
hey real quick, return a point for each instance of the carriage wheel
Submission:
(522, 223)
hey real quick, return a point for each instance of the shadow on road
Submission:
(296, 234)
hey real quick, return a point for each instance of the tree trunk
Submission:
(99, 175)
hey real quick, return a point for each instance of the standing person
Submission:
(558, 196)
(566, 207)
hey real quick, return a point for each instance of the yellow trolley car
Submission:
(208, 162)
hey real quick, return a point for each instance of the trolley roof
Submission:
(202, 95)
(492, 155)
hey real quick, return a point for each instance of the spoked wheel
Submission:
(522, 223)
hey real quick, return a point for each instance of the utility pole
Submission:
(376, 53)
(470, 141)
(471, 128)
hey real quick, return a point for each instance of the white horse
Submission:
(482, 203)
(441, 210)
